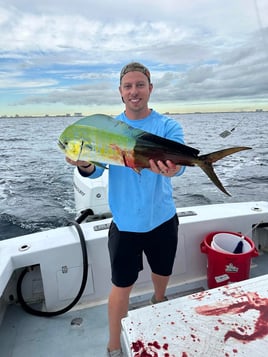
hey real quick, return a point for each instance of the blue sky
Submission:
(60, 57)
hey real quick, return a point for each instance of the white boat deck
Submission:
(22, 334)
(55, 279)
(83, 332)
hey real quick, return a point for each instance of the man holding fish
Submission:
(144, 214)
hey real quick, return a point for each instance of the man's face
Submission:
(135, 91)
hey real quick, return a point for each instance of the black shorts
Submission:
(126, 249)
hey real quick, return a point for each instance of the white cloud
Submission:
(196, 50)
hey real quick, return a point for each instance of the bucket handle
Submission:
(255, 252)
(203, 247)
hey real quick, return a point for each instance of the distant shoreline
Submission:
(77, 115)
(17, 116)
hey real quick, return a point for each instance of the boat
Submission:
(54, 286)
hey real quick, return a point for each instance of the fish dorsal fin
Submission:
(173, 145)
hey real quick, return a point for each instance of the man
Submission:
(144, 214)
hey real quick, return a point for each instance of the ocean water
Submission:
(36, 190)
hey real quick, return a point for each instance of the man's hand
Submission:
(79, 163)
(167, 168)
(85, 166)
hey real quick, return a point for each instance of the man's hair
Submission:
(135, 66)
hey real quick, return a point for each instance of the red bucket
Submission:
(225, 267)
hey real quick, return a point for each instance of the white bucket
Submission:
(227, 242)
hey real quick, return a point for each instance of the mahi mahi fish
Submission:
(101, 139)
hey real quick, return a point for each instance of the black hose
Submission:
(35, 312)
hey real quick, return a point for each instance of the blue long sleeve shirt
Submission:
(141, 202)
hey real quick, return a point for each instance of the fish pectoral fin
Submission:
(121, 153)
(99, 164)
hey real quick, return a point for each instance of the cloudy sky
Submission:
(60, 56)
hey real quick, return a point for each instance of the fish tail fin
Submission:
(209, 171)
(206, 162)
(217, 155)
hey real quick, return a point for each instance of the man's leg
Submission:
(160, 250)
(160, 283)
(117, 309)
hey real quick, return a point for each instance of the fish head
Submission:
(73, 145)
(71, 149)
